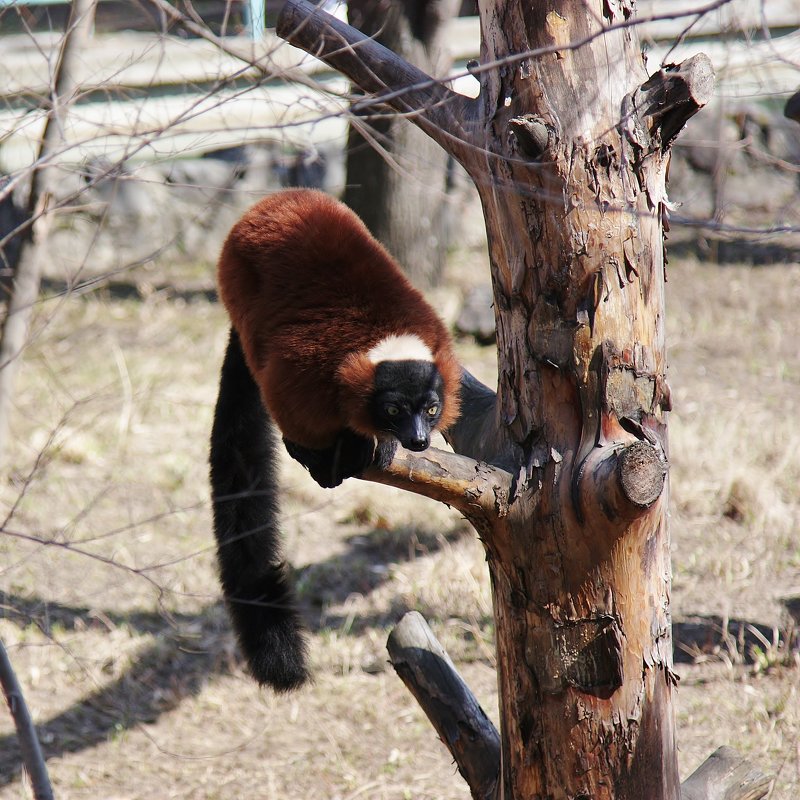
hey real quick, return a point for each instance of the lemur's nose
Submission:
(418, 443)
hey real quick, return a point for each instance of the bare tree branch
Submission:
(447, 117)
(667, 100)
(202, 31)
(32, 756)
(479, 490)
(27, 276)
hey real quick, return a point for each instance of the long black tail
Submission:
(244, 490)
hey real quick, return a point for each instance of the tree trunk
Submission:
(573, 205)
(397, 177)
(44, 178)
(568, 145)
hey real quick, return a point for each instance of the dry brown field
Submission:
(110, 604)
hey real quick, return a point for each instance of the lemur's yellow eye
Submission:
(392, 411)
(433, 411)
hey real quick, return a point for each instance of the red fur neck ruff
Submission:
(357, 377)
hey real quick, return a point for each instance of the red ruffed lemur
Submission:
(332, 344)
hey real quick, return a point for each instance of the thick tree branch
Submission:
(429, 674)
(479, 490)
(447, 117)
(26, 732)
(725, 775)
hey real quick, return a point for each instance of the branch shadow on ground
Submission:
(701, 638)
(365, 566)
(190, 649)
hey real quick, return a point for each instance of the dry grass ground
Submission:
(111, 606)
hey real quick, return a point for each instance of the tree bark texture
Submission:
(397, 177)
(568, 145)
(581, 587)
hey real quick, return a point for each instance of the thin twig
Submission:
(27, 274)
(447, 117)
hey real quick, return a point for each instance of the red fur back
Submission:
(310, 291)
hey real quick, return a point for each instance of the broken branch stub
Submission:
(666, 101)
(616, 483)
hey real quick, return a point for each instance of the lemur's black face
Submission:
(407, 401)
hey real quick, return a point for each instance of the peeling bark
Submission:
(582, 582)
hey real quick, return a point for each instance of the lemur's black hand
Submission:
(348, 456)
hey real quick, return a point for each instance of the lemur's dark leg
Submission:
(384, 452)
(317, 462)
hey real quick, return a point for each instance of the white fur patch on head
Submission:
(406, 347)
